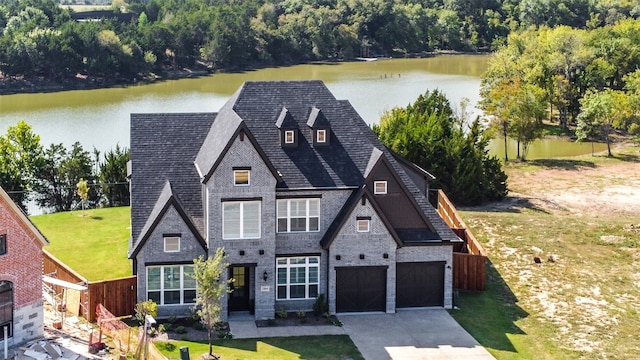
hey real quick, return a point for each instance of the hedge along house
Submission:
(21, 311)
(302, 196)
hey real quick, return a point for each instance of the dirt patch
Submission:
(585, 186)
(580, 218)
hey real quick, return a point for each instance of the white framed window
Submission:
(379, 187)
(289, 137)
(362, 225)
(298, 215)
(321, 136)
(171, 284)
(241, 219)
(298, 277)
(172, 244)
(241, 177)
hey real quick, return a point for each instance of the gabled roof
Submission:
(163, 148)
(260, 104)
(185, 149)
(242, 131)
(166, 200)
(21, 216)
(412, 166)
(351, 203)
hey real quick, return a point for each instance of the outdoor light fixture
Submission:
(361, 256)
(241, 252)
(265, 276)
(338, 257)
(385, 255)
(261, 252)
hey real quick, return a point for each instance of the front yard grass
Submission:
(327, 347)
(94, 245)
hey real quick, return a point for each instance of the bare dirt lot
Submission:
(581, 217)
(586, 185)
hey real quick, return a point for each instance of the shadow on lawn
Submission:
(306, 347)
(490, 315)
(627, 157)
(565, 164)
(511, 204)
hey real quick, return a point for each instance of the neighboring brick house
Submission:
(302, 196)
(21, 243)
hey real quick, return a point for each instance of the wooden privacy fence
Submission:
(469, 272)
(117, 295)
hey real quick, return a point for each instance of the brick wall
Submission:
(22, 265)
(153, 252)
(262, 185)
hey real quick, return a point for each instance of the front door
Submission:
(239, 298)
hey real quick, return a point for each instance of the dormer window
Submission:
(321, 136)
(289, 137)
(288, 129)
(241, 177)
(320, 127)
(379, 187)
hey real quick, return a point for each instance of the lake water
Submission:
(100, 118)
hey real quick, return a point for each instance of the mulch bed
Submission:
(293, 319)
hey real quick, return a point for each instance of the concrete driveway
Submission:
(411, 335)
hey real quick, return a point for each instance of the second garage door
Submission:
(420, 284)
(361, 288)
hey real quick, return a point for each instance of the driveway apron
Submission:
(411, 335)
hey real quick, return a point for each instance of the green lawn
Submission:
(327, 347)
(94, 245)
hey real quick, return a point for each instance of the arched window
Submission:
(6, 308)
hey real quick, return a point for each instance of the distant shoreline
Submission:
(41, 84)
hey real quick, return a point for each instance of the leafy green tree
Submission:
(211, 288)
(58, 177)
(429, 134)
(113, 176)
(21, 156)
(602, 112)
(528, 109)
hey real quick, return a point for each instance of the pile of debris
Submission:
(56, 347)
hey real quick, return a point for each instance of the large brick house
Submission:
(302, 196)
(21, 312)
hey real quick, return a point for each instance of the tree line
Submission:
(51, 176)
(582, 79)
(41, 38)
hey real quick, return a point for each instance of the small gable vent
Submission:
(320, 127)
(288, 129)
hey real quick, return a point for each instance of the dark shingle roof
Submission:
(163, 148)
(259, 105)
(166, 199)
(166, 146)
